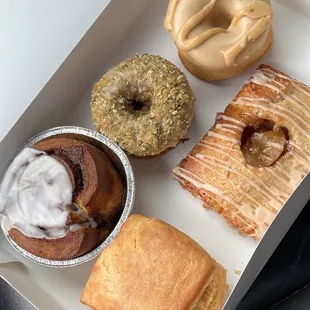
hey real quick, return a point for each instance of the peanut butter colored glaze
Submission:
(218, 39)
(144, 104)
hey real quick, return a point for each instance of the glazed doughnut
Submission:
(144, 104)
(219, 39)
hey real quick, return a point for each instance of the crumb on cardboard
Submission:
(184, 140)
(237, 272)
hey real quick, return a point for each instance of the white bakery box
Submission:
(124, 28)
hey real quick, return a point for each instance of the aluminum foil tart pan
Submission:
(122, 164)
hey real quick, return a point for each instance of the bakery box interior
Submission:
(124, 29)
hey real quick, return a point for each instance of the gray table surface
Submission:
(10, 299)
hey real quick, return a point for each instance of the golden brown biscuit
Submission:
(150, 266)
(250, 162)
(213, 296)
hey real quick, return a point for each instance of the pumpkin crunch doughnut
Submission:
(144, 104)
(219, 39)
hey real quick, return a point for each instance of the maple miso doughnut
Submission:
(144, 104)
(219, 39)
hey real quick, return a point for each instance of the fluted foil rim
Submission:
(128, 200)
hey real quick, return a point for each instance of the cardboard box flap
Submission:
(35, 40)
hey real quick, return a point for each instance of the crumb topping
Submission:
(144, 104)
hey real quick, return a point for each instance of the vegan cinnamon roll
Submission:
(60, 199)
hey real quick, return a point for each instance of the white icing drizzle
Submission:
(266, 192)
(282, 169)
(296, 177)
(305, 108)
(259, 136)
(201, 160)
(183, 178)
(222, 164)
(261, 79)
(250, 102)
(306, 92)
(285, 77)
(277, 191)
(276, 145)
(290, 99)
(303, 152)
(226, 127)
(230, 119)
(223, 137)
(36, 196)
(258, 77)
(301, 161)
(202, 184)
(266, 157)
(181, 173)
(222, 127)
(203, 143)
(260, 216)
(288, 113)
(245, 210)
(280, 179)
(301, 89)
(270, 78)
(260, 213)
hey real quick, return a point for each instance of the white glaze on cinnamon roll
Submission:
(36, 196)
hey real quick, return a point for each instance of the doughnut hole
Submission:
(220, 16)
(263, 145)
(138, 102)
(138, 105)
